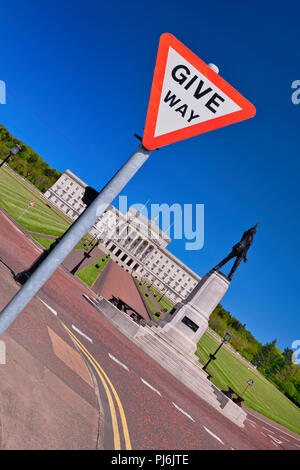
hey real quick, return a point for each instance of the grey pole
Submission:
(74, 235)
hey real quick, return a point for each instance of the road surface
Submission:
(144, 406)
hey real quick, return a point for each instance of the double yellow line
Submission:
(106, 384)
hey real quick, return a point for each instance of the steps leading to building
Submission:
(179, 363)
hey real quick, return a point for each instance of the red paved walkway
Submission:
(76, 255)
(121, 284)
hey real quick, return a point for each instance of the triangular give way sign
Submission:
(188, 97)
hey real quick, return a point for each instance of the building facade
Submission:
(133, 241)
(66, 194)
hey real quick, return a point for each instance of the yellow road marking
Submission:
(117, 442)
(111, 404)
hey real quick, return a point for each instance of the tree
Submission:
(27, 163)
(288, 353)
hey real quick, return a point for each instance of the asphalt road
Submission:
(145, 407)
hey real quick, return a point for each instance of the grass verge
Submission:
(146, 297)
(44, 242)
(90, 273)
(15, 197)
(262, 396)
(164, 303)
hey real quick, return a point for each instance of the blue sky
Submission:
(78, 76)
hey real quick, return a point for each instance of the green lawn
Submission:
(14, 198)
(164, 302)
(86, 239)
(262, 396)
(44, 242)
(148, 301)
(90, 273)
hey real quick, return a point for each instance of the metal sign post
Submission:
(74, 235)
(187, 98)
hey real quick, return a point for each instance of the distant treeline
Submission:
(275, 365)
(27, 163)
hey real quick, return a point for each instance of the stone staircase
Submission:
(178, 362)
(187, 370)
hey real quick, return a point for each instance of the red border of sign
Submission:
(151, 142)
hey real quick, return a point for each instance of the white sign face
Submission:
(188, 97)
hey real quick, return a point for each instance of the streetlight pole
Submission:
(74, 235)
(93, 239)
(87, 254)
(213, 356)
(13, 151)
(89, 195)
(165, 291)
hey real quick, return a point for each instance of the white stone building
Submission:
(133, 241)
(66, 194)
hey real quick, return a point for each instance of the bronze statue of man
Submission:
(239, 251)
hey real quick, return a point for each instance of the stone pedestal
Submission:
(189, 320)
(172, 356)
